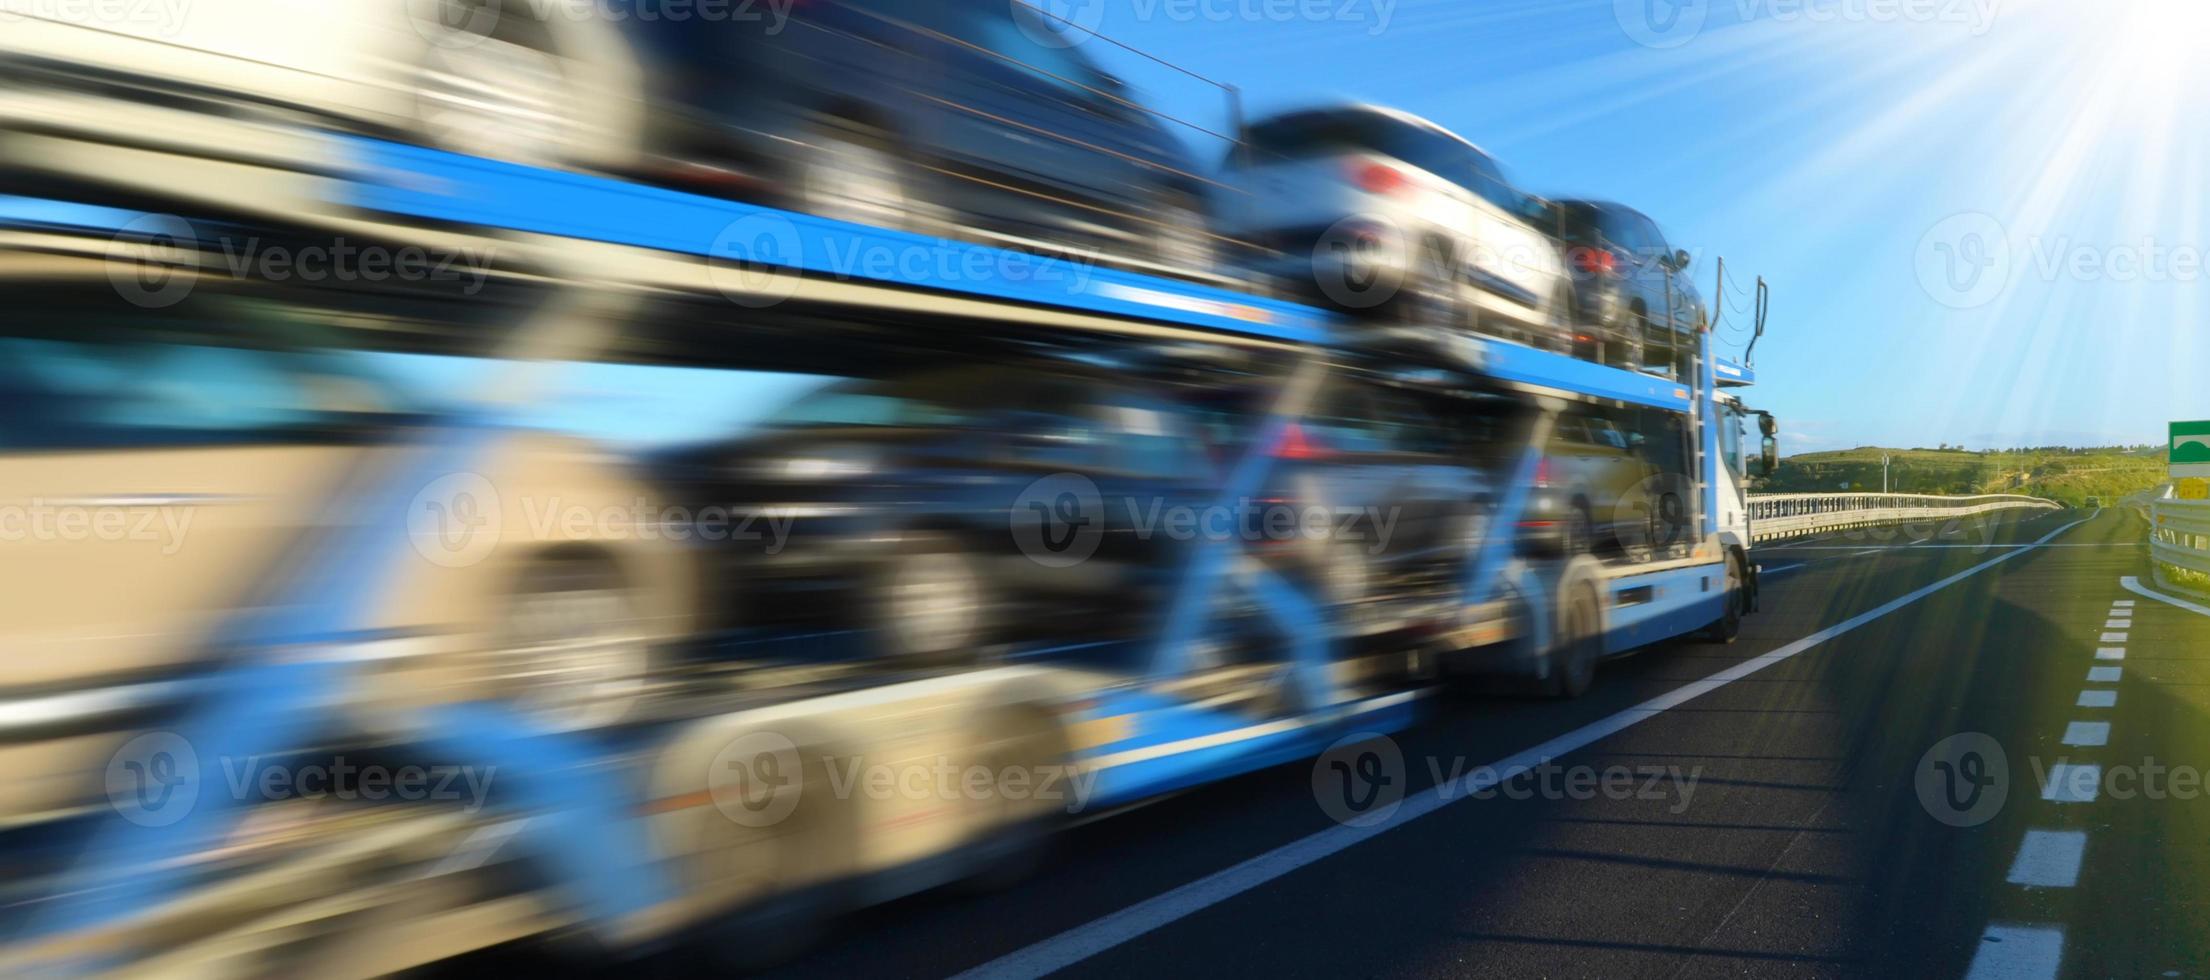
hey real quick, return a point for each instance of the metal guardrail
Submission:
(1787, 515)
(2179, 543)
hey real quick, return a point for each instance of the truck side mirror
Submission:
(1680, 260)
(1768, 456)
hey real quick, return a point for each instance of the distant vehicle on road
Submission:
(1633, 297)
(1376, 209)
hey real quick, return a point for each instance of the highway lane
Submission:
(1788, 835)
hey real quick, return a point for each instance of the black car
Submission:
(942, 513)
(1635, 303)
(967, 117)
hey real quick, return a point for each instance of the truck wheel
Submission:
(1729, 624)
(1580, 640)
(1022, 749)
(852, 173)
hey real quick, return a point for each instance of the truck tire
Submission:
(1579, 643)
(1729, 624)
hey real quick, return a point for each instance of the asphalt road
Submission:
(1760, 813)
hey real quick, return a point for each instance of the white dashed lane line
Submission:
(2049, 859)
(2098, 699)
(2104, 675)
(2087, 733)
(2016, 952)
(2110, 653)
(2073, 782)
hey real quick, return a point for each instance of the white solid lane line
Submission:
(2104, 675)
(2098, 699)
(2134, 586)
(2012, 952)
(2087, 733)
(2073, 783)
(2049, 859)
(1087, 940)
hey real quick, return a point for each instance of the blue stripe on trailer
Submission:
(1513, 362)
(33, 212)
(418, 182)
(1679, 600)
(1174, 746)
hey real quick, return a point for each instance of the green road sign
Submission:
(2190, 448)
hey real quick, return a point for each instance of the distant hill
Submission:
(2063, 474)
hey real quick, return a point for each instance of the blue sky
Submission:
(1975, 215)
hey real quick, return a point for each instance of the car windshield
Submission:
(867, 404)
(1309, 134)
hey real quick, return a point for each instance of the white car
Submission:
(1375, 209)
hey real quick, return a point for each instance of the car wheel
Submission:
(1429, 299)
(529, 92)
(929, 603)
(1580, 536)
(848, 175)
(1561, 323)
(1634, 329)
(572, 653)
(1182, 240)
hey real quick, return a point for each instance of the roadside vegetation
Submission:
(2064, 474)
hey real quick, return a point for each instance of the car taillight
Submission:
(1379, 178)
(1595, 261)
(1542, 472)
(1294, 445)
